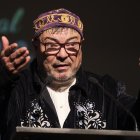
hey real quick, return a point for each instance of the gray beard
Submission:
(61, 84)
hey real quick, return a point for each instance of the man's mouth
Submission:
(61, 67)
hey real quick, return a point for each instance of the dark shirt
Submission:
(25, 102)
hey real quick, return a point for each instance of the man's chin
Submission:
(63, 78)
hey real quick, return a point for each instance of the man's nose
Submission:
(62, 53)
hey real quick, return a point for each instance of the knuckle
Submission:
(11, 68)
(19, 52)
(22, 58)
(3, 59)
(12, 57)
(8, 65)
(16, 61)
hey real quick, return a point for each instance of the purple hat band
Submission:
(57, 18)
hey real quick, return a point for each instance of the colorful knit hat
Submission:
(57, 18)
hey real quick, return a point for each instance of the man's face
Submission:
(61, 65)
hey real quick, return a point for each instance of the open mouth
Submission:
(61, 66)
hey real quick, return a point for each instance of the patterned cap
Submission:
(57, 18)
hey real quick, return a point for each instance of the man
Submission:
(54, 91)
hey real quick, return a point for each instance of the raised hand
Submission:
(13, 58)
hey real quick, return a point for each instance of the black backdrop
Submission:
(111, 28)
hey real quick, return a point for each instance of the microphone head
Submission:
(93, 80)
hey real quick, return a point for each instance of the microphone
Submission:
(95, 81)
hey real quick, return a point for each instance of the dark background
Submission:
(111, 28)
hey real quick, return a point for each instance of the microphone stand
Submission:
(95, 81)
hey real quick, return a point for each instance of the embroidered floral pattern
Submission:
(88, 117)
(35, 117)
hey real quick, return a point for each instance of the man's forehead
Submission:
(61, 33)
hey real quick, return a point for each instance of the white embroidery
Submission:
(35, 117)
(88, 117)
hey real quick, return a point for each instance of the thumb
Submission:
(5, 42)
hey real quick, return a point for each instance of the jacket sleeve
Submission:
(7, 83)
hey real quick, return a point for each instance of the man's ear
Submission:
(35, 42)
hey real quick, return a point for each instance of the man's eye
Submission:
(72, 44)
(51, 45)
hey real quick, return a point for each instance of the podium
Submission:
(29, 133)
